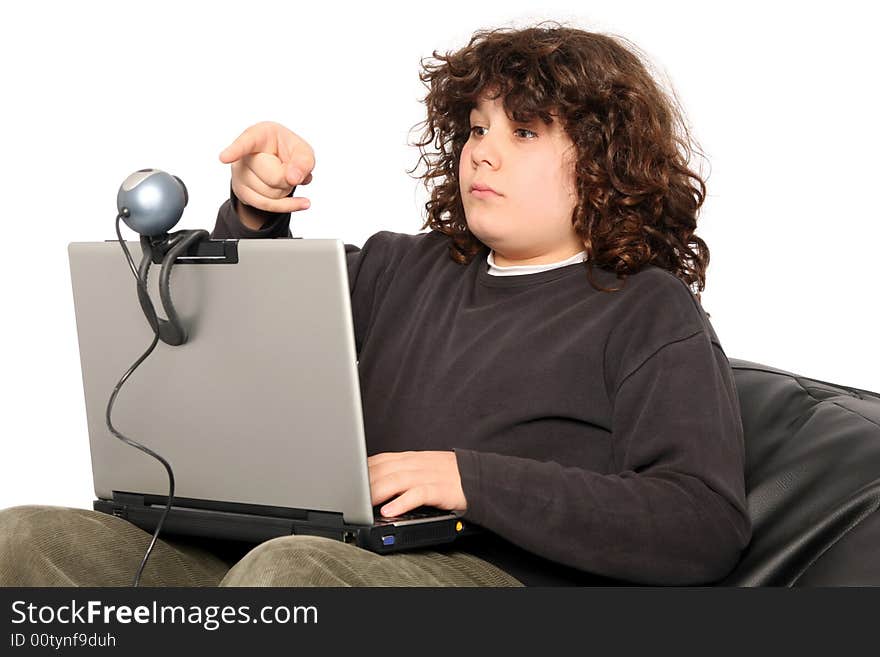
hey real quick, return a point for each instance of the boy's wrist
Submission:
(251, 217)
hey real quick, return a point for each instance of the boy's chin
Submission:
(487, 240)
(488, 235)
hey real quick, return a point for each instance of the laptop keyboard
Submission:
(413, 514)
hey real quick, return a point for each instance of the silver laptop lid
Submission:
(261, 405)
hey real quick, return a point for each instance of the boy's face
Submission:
(531, 167)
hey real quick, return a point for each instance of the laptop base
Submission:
(255, 524)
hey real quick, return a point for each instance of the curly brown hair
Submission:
(637, 199)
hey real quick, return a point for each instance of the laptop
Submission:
(258, 413)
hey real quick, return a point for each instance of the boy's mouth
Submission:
(479, 189)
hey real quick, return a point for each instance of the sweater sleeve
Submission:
(671, 510)
(229, 226)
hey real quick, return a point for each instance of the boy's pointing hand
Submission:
(268, 161)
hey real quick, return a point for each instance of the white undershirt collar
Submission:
(517, 270)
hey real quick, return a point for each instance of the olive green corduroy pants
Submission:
(58, 546)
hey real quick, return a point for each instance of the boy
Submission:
(589, 423)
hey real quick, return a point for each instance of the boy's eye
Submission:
(526, 130)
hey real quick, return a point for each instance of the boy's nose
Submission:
(486, 152)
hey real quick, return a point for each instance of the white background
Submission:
(781, 97)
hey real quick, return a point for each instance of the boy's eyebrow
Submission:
(534, 120)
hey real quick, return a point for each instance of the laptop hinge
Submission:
(323, 518)
(326, 519)
(128, 498)
(144, 510)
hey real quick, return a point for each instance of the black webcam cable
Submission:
(142, 284)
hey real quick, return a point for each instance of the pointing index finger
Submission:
(255, 139)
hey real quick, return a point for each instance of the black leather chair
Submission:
(812, 478)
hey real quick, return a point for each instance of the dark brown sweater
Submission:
(597, 434)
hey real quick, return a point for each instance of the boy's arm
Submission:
(672, 509)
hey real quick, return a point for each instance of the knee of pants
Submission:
(22, 526)
(296, 561)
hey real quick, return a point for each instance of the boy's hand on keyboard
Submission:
(416, 479)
